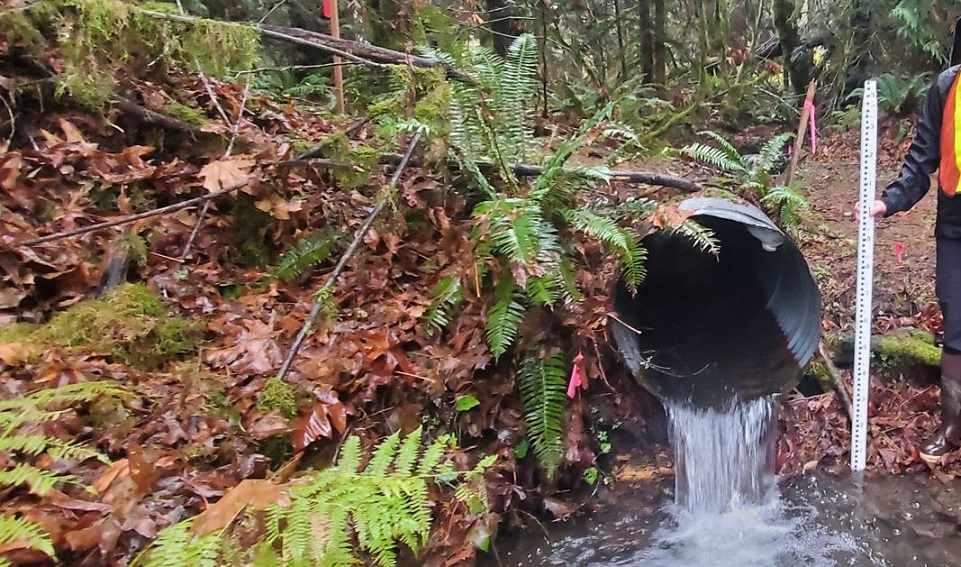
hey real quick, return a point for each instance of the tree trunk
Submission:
(621, 54)
(647, 39)
(798, 68)
(660, 39)
(503, 25)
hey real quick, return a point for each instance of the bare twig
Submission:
(332, 279)
(131, 218)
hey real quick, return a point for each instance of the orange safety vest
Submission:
(949, 171)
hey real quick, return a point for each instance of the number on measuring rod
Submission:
(865, 278)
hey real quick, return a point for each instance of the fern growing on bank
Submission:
(330, 516)
(543, 389)
(16, 444)
(305, 255)
(754, 173)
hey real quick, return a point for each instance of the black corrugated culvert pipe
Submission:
(706, 330)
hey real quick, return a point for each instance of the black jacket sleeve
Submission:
(924, 155)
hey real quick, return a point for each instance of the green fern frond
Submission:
(637, 208)
(544, 290)
(518, 88)
(350, 456)
(177, 545)
(703, 237)
(617, 239)
(384, 456)
(772, 152)
(730, 152)
(305, 255)
(513, 226)
(26, 533)
(446, 296)
(433, 455)
(66, 395)
(715, 157)
(39, 480)
(331, 514)
(543, 388)
(505, 317)
(555, 164)
(787, 203)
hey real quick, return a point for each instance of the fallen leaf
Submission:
(668, 216)
(225, 174)
(106, 479)
(142, 472)
(256, 494)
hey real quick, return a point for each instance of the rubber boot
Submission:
(948, 436)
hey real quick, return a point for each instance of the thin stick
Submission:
(358, 238)
(836, 379)
(131, 218)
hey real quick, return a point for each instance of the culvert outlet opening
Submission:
(706, 330)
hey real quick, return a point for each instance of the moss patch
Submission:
(280, 396)
(130, 323)
(188, 114)
(911, 344)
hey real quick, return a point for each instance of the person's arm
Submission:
(922, 158)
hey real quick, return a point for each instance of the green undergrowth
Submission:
(129, 323)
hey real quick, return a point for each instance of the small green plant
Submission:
(591, 475)
(339, 515)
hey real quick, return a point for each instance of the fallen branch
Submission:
(130, 218)
(364, 53)
(521, 169)
(836, 381)
(332, 279)
(146, 116)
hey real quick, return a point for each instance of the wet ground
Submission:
(819, 520)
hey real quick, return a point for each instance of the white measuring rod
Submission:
(865, 281)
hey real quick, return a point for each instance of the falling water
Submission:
(724, 459)
(727, 509)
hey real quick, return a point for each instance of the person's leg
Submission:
(948, 289)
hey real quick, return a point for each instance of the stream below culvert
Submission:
(725, 508)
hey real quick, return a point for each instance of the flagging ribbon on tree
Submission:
(577, 376)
